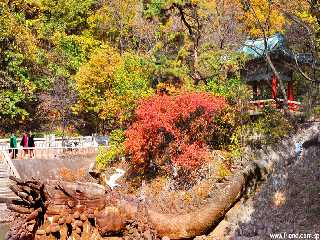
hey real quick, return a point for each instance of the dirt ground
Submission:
(288, 202)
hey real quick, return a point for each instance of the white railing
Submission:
(48, 142)
(50, 137)
(51, 152)
(293, 105)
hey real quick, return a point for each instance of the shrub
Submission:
(114, 151)
(270, 127)
(173, 129)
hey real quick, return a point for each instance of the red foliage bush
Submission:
(173, 128)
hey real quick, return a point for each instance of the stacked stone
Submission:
(139, 230)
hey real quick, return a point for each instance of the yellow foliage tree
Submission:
(109, 85)
(262, 18)
(95, 78)
(114, 20)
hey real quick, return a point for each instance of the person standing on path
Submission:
(24, 144)
(31, 144)
(13, 146)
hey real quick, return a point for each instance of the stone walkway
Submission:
(5, 191)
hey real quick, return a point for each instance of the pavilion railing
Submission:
(277, 103)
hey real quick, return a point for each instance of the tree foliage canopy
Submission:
(112, 53)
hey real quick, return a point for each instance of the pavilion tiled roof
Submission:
(256, 50)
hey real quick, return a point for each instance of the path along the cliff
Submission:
(288, 202)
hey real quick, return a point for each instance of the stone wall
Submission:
(49, 169)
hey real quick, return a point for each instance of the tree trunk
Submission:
(276, 73)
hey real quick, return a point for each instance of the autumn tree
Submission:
(56, 105)
(22, 74)
(191, 28)
(190, 15)
(114, 22)
(64, 16)
(109, 85)
(111, 53)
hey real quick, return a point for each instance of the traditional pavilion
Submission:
(258, 74)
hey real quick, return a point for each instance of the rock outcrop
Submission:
(55, 209)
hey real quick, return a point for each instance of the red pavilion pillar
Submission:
(274, 87)
(274, 84)
(290, 94)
